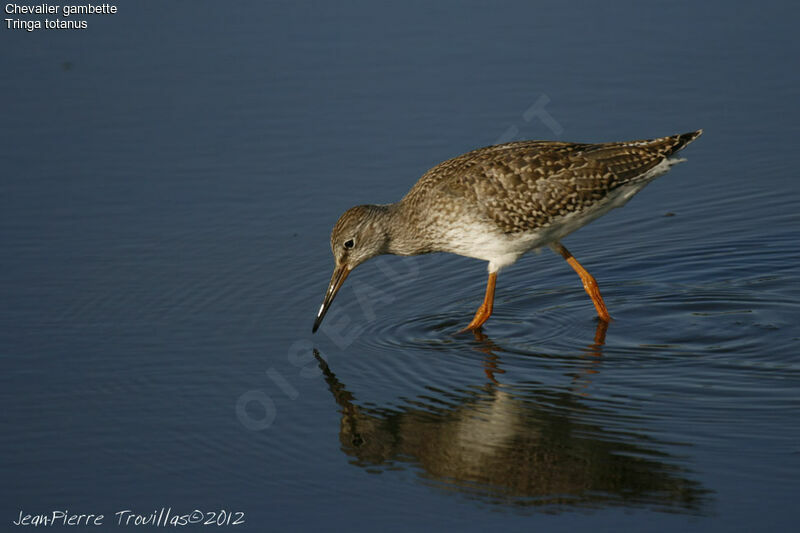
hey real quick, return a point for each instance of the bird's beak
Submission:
(339, 275)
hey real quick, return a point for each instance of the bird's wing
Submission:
(524, 186)
(523, 192)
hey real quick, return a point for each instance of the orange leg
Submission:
(589, 283)
(485, 310)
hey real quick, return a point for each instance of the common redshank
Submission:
(498, 202)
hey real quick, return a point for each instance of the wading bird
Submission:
(498, 202)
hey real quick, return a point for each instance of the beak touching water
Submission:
(339, 275)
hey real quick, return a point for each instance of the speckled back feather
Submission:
(521, 186)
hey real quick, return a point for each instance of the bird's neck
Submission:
(402, 231)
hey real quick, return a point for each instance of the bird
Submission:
(498, 202)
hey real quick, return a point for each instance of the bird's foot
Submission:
(481, 316)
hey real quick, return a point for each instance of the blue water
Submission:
(170, 178)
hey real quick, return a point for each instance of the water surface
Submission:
(171, 176)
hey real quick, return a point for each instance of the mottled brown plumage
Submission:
(498, 202)
(527, 185)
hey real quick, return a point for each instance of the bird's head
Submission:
(359, 234)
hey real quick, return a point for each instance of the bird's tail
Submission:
(633, 160)
(678, 142)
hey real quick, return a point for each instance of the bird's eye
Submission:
(349, 243)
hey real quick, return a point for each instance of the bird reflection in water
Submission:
(516, 445)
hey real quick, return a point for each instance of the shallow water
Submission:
(170, 182)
